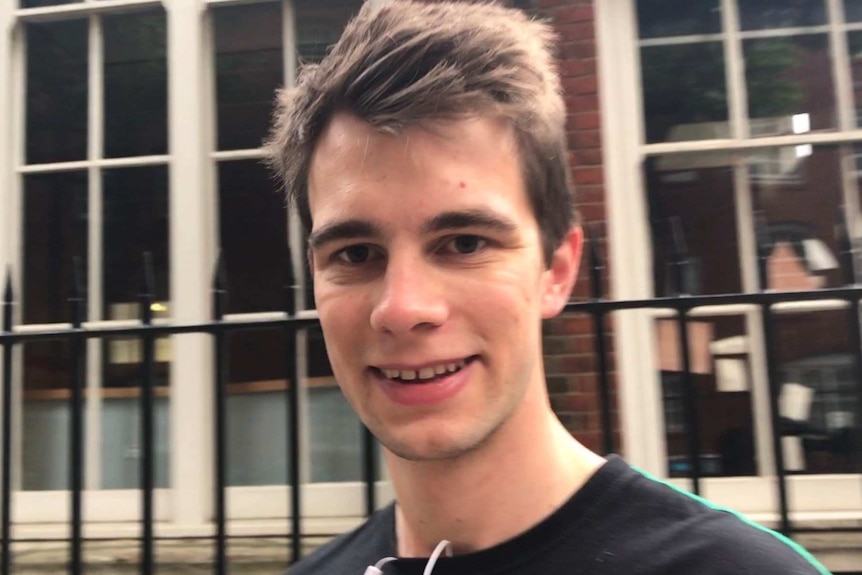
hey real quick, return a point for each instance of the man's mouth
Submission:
(427, 374)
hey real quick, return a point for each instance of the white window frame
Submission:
(812, 497)
(186, 506)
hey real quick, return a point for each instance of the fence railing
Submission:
(597, 307)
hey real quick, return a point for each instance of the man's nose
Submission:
(411, 297)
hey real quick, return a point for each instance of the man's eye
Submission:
(355, 254)
(466, 244)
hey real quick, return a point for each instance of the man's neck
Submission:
(514, 481)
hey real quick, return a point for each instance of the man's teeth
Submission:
(425, 372)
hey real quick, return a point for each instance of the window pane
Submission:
(122, 444)
(319, 24)
(257, 407)
(41, 3)
(57, 91)
(661, 18)
(684, 101)
(253, 226)
(692, 208)
(796, 192)
(249, 68)
(136, 97)
(789, 82)
(721, 376)
(55, 232)
(46, 414)
(764, 14)
(135, 221)
(854, 46)
(853, 10)
(819, 404)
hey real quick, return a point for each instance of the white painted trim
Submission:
(192, 262)
(680, 40)
(95, 150)
(82, 9)
(94, 163)
(621, 113)
(726, 145)
(252, 154)
(841, 67)
(15, 237)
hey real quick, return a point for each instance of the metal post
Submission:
(599, 333)
(369, 470)
(292, 371)
(147, 427)
(764, 249)
(220, 359)
(76, 421)
(6, 520)
(690, 398)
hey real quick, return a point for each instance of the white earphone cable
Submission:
(377, 568)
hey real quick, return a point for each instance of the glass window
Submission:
(692, 209)
(764, 14)
(789, 83)
(796, 193)
(684, 92)
(249, 68)
(135, 221)
(57, 91)
(663, 18)
(853, 10)
(253, 224)
(136, 97)
(721, 376)
(818, 401)
(319, 24)
(54, 233)
(42, 3)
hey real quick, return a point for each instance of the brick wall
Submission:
(570, 360)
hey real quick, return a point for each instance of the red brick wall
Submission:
(570, 360)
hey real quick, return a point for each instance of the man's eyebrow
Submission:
(456, 220)
(344, 230)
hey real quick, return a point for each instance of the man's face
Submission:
(429, 280)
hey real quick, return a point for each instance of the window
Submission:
(94, 190)
(737, 121)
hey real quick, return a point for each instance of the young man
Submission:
(427, 158)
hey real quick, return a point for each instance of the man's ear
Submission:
(560, 276)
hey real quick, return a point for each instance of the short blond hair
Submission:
(405, 63)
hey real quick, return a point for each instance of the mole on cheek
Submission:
(462, 185)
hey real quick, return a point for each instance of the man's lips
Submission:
(427, 392)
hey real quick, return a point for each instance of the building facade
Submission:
(695, 128)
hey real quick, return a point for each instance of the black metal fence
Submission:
(598, 308)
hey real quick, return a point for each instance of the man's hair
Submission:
(404, 63)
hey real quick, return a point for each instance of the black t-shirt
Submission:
(621, 522)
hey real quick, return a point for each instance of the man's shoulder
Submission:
(678, 532)
(351, 552)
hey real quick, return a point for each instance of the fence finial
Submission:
(220, 288)
(7, 301)
(76, 299)
(591, 240)
(763, 237)
(148, 281)
(679, 256)
(7, 290)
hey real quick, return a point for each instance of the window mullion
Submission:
(295, 240)
(734, 67)
(841, 66)
(16, 157)
(192, 259)
(95, 79)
